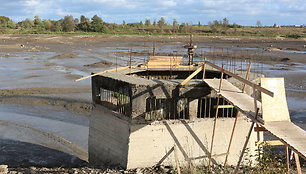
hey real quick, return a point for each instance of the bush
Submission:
(295, 36)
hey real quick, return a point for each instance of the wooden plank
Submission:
(218, 155)
(260, 129)
(270, 143)
(213, 134)
(233, 95)
(290, 134)
(163, 158)
(231, 139)
(191, 76)
(298, 164)
(261, 89)
(103, 72)
(246, 143)
(223, 106)
(287, 160)
(277, 103)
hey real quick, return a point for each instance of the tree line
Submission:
(96, 24)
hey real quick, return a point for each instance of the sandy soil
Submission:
(41, 69)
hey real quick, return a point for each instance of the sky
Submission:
(243, 12)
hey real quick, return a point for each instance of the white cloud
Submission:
(168, 3)
(239, 11)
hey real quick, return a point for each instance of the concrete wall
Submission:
(108, 137)
(149, 143)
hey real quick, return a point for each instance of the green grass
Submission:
(295, 33)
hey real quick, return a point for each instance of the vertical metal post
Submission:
(130, 61)
(247, 75)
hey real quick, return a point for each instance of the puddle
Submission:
(294, 51)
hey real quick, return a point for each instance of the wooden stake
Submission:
(222, 73)
(258, 87)
(231, 139)
(191, 76)
(297, 162)
(255, 98)
(204, 69)
(103, 72)
(176, 160)
(247, 75)
(287, 159)
(246, 142)
(213, 133)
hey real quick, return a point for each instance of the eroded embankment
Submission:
(48, 96)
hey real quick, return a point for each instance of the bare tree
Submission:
(258, 23)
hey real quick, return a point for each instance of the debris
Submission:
(3, 169)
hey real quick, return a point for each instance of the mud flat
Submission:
(37, 74)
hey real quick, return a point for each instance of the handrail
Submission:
(259, 88)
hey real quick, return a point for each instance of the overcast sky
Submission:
(244, 12)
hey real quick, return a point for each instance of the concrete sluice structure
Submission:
(142, 114)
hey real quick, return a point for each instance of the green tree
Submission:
(161, 23)
(225, 22)
(147, 22)
(4, 21)
(174, 23)
(84, 24)
(215, 25)
(47, 24)
(97, 24)
(27, 23)
(37, 21)
(154, 23)
(57, 25)
(68, 24)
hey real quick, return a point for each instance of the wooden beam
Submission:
(222, 73)
(231, 139)
(213, 133)
(260, 129)
(287, 160)
(246, 143)
(191, 76)
(259, 88)
(218, 155)
(270, 143)
(298, 164)
(223, 106)
(103, 72)
(204, 70)
(163, 158)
